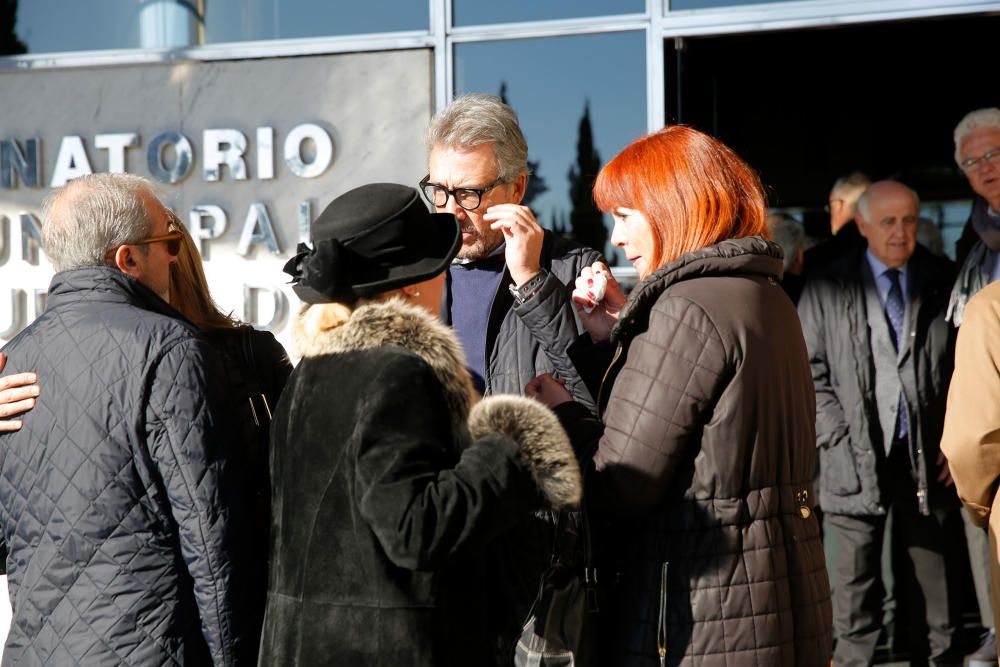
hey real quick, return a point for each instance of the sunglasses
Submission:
(172, 239)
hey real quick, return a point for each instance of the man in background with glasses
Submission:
(110, 495)
(977, 152)
(508, 300)
(841, 204)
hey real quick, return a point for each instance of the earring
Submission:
(416, 294)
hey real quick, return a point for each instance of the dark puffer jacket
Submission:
(111, 494)
(526, 340)
(522, 342)
(704, 470)
(848, 433)
(387, 490)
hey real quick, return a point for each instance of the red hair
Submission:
(694, 191)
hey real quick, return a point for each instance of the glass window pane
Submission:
(284, 19)
(474, 12)
(676, 5)
(591, 91)
(47, 26)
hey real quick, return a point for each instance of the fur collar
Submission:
(393, 322)
(542, 444)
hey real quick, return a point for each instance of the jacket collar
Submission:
(96, 284)
(396, 323)
(751, 255)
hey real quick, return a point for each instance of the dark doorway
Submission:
(807, 106)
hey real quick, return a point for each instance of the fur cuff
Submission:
(543, 443)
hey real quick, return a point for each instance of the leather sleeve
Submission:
(552, 321)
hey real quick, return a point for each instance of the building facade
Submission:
(251, 115)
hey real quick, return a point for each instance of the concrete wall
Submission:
(373, 106)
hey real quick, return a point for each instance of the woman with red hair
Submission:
(700, 481)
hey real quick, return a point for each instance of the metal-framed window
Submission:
(658, 21)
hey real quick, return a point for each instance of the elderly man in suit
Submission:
(881, 355)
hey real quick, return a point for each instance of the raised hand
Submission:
(524, 237)
(598, 308)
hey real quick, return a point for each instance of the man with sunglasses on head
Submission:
(111, 496)
(507, 298)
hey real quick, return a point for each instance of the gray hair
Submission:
(849, 189)
(929, 236)
(475, 120)
(90, 216)
(864, 208)
(787, 232)
(974, 120)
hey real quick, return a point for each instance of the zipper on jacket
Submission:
(600, 392)
(661, 630)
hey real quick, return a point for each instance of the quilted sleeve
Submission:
(423, 500)
(672, 376)
(552, 321)
(186, 435)
(831, 425)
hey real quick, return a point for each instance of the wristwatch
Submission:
(529, 288)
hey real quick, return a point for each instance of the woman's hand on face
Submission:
(598, 299)
(17, 395)
(548, 390)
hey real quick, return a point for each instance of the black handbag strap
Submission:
(260, 408)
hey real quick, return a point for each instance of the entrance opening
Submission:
(805, 107)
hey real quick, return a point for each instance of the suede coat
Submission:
(386, 490)
(702, 476)
(971, 438)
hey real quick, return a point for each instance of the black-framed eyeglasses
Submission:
(977, 163)
(467, 198)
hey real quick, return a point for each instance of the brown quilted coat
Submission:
(704, 466)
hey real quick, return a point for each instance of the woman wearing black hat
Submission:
(386, 485)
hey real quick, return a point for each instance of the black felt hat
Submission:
(375, 238)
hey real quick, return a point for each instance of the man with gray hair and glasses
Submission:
(841, 204)
(111, 499)
(508, 300)
(508, 295)
(977, 152)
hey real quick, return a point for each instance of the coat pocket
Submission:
(837, 472)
